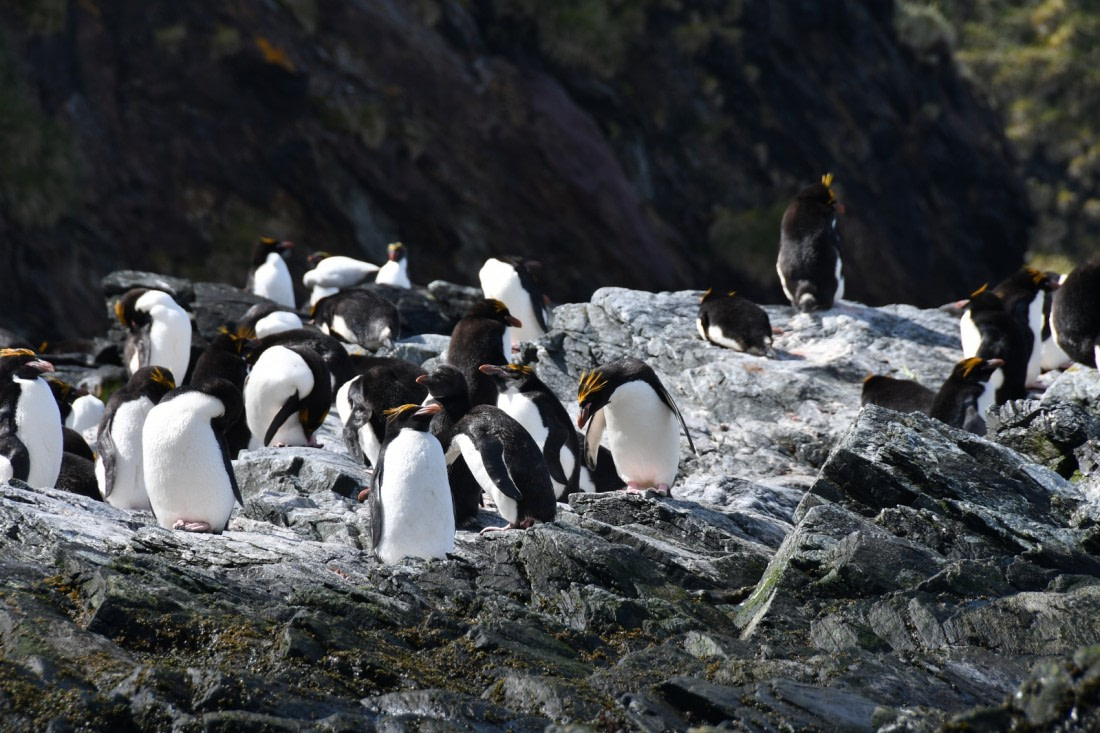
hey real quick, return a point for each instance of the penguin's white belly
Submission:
(277, 375)
(394, 273)
(277, 322)
(170, 340)
(643, 435)
(86, 414)
(1035, 320)
(38, 426)
(7, 472)
(716, 335)
(783, 282)
(183, 465)
(341, 328)
(272, 281)
(338, 272)
(989, 396)
(1052, 356)
(506, 506)
(502, 283)
(969, 335)
(526, 413)
(320, 292)
(343, 404)
(128, 491)
(839, 275)
(417, 516)
(368, 443)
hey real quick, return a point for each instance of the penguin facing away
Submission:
(118, 468)
(332, 273)
(900, 395)
(512, 281)
(267, 318)
(1023, 294)
(533, 405)
(286, 397)
(411, 513)
(1075, 313)
(269, 277)
(809, 263)
(967, 393)
(159, 331)
(30, 421)
(1002, 336)
(335, 357)
(358, 317)
(734, 322)
(188, 473)
(627, 399)
(396, 270)
(482, 336)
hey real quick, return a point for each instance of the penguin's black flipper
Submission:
(667, 399)
(228, 462)
(105, 443)
(376, 517)
(492, 457)
(290, 407)
(592, 437)
(555, 441)
(531, 287)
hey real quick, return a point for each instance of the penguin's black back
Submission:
(901, 395)
(1076, 313)
(956, 401)
(739, 319)
(478, 338)
(1003, 337)
(809, 247)
(77, 476)
(329, 348)
(367, 315)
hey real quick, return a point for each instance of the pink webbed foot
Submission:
(362, 496)
(663, 490)
(632, 487)
(525, 524)
(185, 526)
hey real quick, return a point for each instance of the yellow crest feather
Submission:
(591, 383)
(969, 365)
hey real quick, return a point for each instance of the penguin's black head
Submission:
(233, 342)
(396, 251)
(446, 381)
(127, 312)
(153, 381)
(22, 363)
(711, 294)
(417, 417)
(592, 394)
(493, 310)
(821, 193)
(975, 369)
(503, 374)
(227, 393)
(984, 299)
(316, 257)
(270, 245)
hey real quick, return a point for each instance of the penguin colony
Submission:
(436, 444)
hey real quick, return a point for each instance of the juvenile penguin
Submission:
(642, 422)
(534, 406)
(332, 273)
(30, 422)
(900, 395)
(734, 322)
(267, 318)
(809, 263)
(188, 473)
(511, 280)
(967, 393)
(86, 413)
(1000, 335)
(365, 401)
(1075, 314)
(482, 336)
(396, 270)
(411, 513)
(118, 468)
(269, 277)
(286, 397)
(358, 317)
(159, 331)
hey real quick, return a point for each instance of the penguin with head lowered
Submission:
(363, 402)
(396, 270)
(512, 281)
(534, 406)
(482, 336)
(118, 468)
(333, 273)
(358, 317)
(266, 318)
(31, 441)
(159, 331)
(188, 473)
(966, 395)
(900, 395)
(503, 458)
(734, 322)
(224, 358)
(411, 513)
(809, 264)
(286, 397)
(269, 276)
(626, 399)
(991, 332)
(1075, 314)
(1023, 295)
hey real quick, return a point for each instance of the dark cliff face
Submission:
(652, 145)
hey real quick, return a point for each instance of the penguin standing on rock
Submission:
(512, 281)
(626, 398)
(411, 514)
(333, 273)
(269, 276)
(967, 393)
(358, 317)
(188, 473)
(482, 336)
(159, 331)
(1023, 295)
(1075, 314)
(900, 395)
(118, 469)
(998, 335)
(31, 441)
(286, 397)
(363, 407)
(531, 403)
(1052, 355)
(734, 322)
(809, 263)
(224, 358)
(396, 270)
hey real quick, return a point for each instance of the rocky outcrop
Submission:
(819, 566)
(645, 144)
